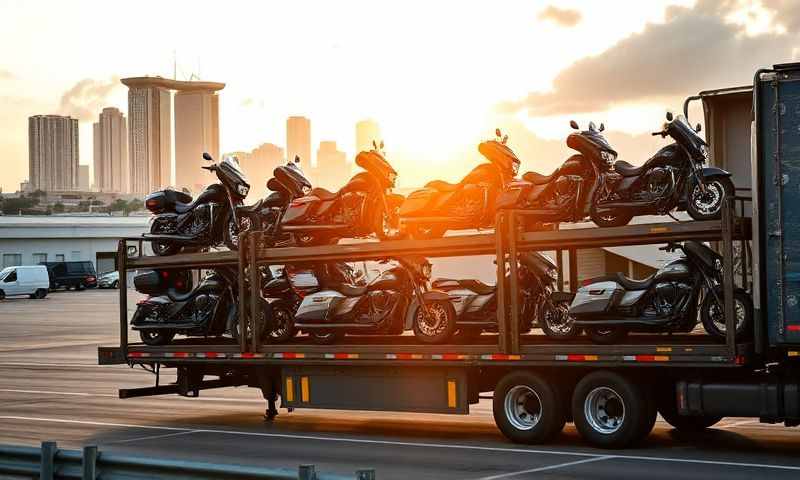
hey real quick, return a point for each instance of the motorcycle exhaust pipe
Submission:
(603, 206)
(332, 326)
(438, 220)
(172, 238)
(313, 228)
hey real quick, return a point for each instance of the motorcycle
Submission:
(441, 206)
(287, 183)
(566, 194)
(675, 177)
(206, 221)
(365, 205)
(476, 302)
(381, 307)
(667, 301)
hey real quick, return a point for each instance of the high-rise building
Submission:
(149, 134)
(259, 164)
(83, 178)
(53, 152)
(298, 139)
(196, 131)
(367, 131)
(111, 168)
(332, 170)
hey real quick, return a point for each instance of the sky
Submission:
(438, 76)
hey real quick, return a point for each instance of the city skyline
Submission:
(110, 159)
(53, 146)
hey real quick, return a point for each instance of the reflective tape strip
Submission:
(304, 396)
(288, 355)
(247, 355)
(793, 353)
(577, 358)
(646, 358)
(659, 229)
(501, 356)
(138, 354)
(451, 394)
(663, 349)
(341, 356)
(448, 356)
(793, 328)
(405, 356)
(289, 389)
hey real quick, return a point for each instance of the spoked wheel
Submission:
(557, 322)
(387, 224)
(283, 323)
(705, 202)
(437, 325)
(325, 337)
(155, 337)
(527, 408)
(713, 316)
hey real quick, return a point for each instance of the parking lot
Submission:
(52, 389)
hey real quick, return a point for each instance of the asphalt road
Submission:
(52, 389)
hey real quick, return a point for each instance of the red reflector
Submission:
(793, 328)
(248, 355)
(586, 282)
(180, 354)
(212, 354)
(90, 279)
(164, 273)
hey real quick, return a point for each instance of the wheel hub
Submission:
(523, 407)
(604, 409)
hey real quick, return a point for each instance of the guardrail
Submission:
(50, 463)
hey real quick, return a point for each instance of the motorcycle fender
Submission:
(714, 172)
(412, 307)
(596, 298)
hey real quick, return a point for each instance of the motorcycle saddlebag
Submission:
(299, 210)
(148, 282)
(417, 202)
(165, 200)
(596, 298)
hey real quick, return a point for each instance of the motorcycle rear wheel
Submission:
(162, 248)
(156, 338)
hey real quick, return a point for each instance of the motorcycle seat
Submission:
(349, 290)
(441, 186)
(477, 286)
(181, 207)
(323, 194)
(631, 284)
(626, 169)
(537, 178)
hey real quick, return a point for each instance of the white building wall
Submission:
(74, 249)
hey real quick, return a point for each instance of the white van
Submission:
(28, 280)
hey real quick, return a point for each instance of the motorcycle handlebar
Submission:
(210, 167)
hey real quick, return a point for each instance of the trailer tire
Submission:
(668, 409)
(527, 408)
(610, 411)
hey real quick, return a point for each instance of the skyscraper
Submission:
(53, 152)
(83, 178)
(298, 139)
(111, 168)
(367, 131)
(149, 134)
(332, 170)
(196, 131)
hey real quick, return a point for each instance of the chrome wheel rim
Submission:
(718, 318)
(604, 409)
(710, 201)
(435, 322)
(523, 407)
(233, 230)
(558, 319)
(281, 324)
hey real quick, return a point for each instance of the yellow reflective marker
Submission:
(289, 389)
(304, 389)
(451, 393)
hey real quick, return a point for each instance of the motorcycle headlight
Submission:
(608, 157)
(718, 265)
(306, 190)
(515, 168)
(426, 269)
(704, 152)
(243, 190)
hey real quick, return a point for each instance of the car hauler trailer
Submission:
(610, 392)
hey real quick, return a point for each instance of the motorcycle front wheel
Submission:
(438, 326)
(231, 231)
(707, 205)
(557, 323)
(283, 322)
(714, 319)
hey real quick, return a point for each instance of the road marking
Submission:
(547, 468)
(151, 437)
(408, 444)
(171, 397)
(50, 365)
(42, 392)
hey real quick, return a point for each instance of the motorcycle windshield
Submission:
(501, 155)
(231, 173)
(684, 134)
(291, 176)
(598, 140)
(375, 163)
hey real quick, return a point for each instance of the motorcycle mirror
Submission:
(374, 145)
(602, 127)
(381, 144)
(297, 159)
(697, 128)
(574, 124)
(592, 127)
(497, 132)
(505, 139)
(207, 156)
(669, 116)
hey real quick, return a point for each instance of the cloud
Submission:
(87, 98)
(695, 49)
(564, 17)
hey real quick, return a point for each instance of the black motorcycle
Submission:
(468, 204)
(667, 301)
(675, 177)
(566, 194)
(475, 302)
(206, 221)
(382, 307)
(287, 184)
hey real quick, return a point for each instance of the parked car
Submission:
(29, 280)
(108, 280)
(77, 275)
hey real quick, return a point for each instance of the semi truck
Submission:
(612, 393)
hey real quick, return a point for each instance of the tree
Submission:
(13, 206)
(118, 205)
(58, 207)
(135, 205)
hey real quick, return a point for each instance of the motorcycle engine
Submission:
(204, 305)
(380, 304)
(198, 221)
(352, 209)
(565, 190)
(658, 183)
(667, 296)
